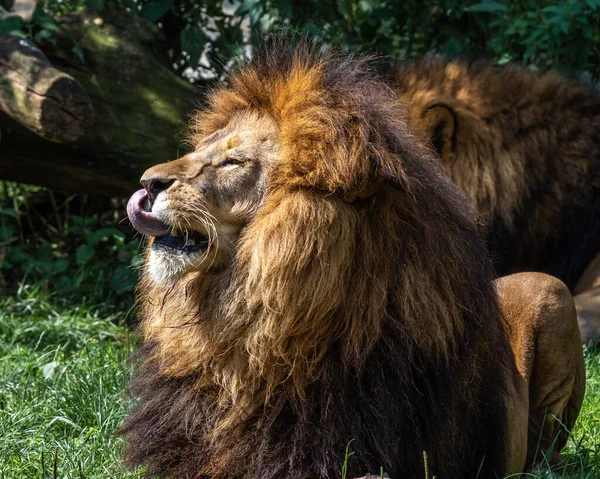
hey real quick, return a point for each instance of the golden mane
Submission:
(361, 274)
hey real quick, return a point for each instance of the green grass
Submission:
(62, 375)
(583, 450)
(582, 453)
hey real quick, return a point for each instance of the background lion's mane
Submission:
(526, 150)
(358, 306)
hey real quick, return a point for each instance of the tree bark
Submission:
(40, 97)
(117, 112)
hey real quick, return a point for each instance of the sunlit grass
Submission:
(62, 376)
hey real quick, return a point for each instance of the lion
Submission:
(525, 148)
(314, 282)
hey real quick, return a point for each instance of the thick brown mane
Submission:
(358, 304)
(525, 148)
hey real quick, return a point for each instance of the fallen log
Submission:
(40, 97)
(137, 115)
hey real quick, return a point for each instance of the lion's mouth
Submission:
(165, 237)
(188, 242)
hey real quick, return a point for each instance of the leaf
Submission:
(537, 33)
(192, 41)
(94, 4)
(8, 212)
(487, 7)
(123, 279)
(61, 265)
(64, 283)
(44, 252)
(18, 255)
(238, 49)
(342, 7)
(245, 7)
(285, 8)
(519, 26)
(84, 253)
(12, 26)
(557, 9)
(7, 233)
(561, 22)
(48, 369)
(46, 267)
(78, 51)
(154, 11)
(90, 237)
(255, 14)
(43, 20)
(266, 22)
(43, 35)
(365, 7)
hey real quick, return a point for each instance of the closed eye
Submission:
(229, 162)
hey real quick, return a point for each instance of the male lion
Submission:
(314, 279)
(525, 148)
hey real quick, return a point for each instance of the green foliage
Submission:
(546, 34)
(83, 253)
(209, 36)
(41, 26)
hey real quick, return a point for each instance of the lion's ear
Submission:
(438, 122)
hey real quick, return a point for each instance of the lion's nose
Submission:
(155, 184)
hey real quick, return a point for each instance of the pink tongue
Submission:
(143, 220)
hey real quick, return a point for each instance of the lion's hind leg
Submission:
(549, 368)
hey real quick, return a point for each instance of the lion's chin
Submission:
(171, 257)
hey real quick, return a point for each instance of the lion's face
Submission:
(196, 206)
